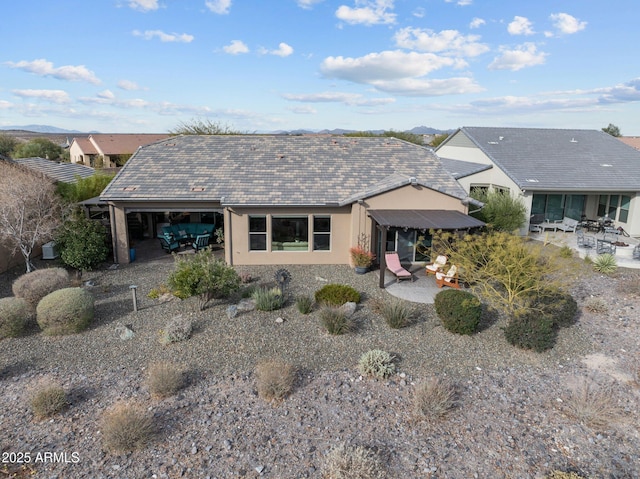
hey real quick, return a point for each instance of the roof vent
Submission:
(413, 180)
(130, 188)
(492, 142)
(501, 138)
(531, 180)
(197, 188)
(607, 165)
(573, 140)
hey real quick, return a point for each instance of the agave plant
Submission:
(605, 263)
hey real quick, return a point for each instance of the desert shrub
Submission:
(15, 315)
(594, 406)
(245, 278)
(531, 330)
(335, 321)
(34, 286)
(65, 311)
(47, 399)
(605, 263)
(376, 364)
(178, 328)
(164, 379)
(268, 299)
(459, 311)
(275, 379)
(82, 242)
(395, 312)
(596, 305)
(565, 252)
(304, 304)
(155, 293)
(557, 305)
(563, 475)
(337, 295)
(353, 462)
(433, 399)
(247, 291)
(126, 426)
(204, 276)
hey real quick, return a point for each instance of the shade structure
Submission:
(425, 219)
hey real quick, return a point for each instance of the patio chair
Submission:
(201, 242)
(636, 252)
(448, 279)
(437, 265)
(393, 264)
(583, 241)
(605, 247)
(168, 245)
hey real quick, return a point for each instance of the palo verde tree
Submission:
(203, 127)
(501, 211)
(39, 147)
(30, 209)
(401, 135)
(505, 270)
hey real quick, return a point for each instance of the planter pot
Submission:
(361, 269)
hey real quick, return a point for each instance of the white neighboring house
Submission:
(580, 174)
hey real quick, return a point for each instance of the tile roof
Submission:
(57, 171)
(460, 169)
(125, 143)
(633, 141)
(87, 147)
(276, 170)
(560, 159)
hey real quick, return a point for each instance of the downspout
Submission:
(114, 241)
(228, 231)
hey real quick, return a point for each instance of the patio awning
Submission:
(425, 219)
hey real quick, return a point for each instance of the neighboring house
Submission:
(633, 141)
(289, 199)
(58, 172)
(574, 173)
(108, 148)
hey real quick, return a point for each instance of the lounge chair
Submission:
(437, 265)
(201, 242)
(448, 279)
(393, 264)
(169, 245)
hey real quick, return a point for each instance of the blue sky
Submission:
(255, 65)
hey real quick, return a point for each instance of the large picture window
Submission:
(257, 233)
(321, 233)
(290, 233)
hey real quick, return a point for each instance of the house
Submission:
(633, 141)
(289, 199)
(108, 150)
(580, 174)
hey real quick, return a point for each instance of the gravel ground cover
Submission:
(514, 415)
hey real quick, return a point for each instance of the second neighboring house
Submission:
(289, 199)
(109, 149)
(580, 174)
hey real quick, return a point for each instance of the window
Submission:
(623, 216)
(290, 233)
(614, 206)
(321, 233)
(257, 233)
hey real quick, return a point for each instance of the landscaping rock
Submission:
(349, 308)
(246, 304)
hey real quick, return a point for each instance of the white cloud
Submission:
(428, 87)
(106, 94)
(523, 56)
(164, 37)
(298, 110)
(462, 3)
(446, 42)
(622, 93)
(4, 105)
(220, 7)
(129, 85)
(43, 68)
(367, 12)
(283, 50)
(52, 96)
(351, 99)
(520, 26)
(144, 5)
(477, 23)
(236, 47)
(307, 4)
(566, 24)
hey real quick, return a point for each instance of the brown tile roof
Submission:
(633, 141)
(277, 170)
(86, 146)
(119, 144)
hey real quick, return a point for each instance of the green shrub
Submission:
(563, 475)
(275, 379)
(376, 364)
(335, 321)
(164, 379)
(304, 304)
(127, 426)
(34, 286)
(268, 299)
(161, 290)
(433, 399)
(353, 462)
(47, 399)
(531, 330)
(557, 305)
(178, 328)
(605, 263)
(15, 315)
(203, 275)
(66, 311)
(82, 242)
(459, 311)
(337, 295)
(395, 312)
(566, 252)
(596, 305)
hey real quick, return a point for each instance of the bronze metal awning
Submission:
(425, 219)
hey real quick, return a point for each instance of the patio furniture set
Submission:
(437, 268)
(196, 235)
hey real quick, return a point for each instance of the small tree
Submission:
(82, 243)
(38, 147)
(203, 127)
(204, 276)
(8, 143)
(501, 211)
(612, 130)
(30, 210)
(84, 188)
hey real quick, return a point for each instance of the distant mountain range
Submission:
(418, 130)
